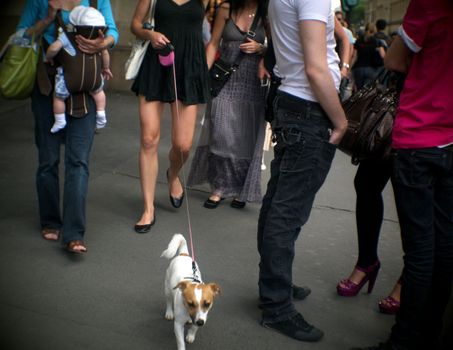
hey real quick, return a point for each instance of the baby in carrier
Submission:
(79, 17)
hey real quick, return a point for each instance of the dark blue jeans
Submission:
(302, 159)
(423, 185)
(77, 137)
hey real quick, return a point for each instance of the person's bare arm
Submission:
(54, 49)
(398, 57)
(314, 44)
(262, 74)
(219, 24)
(106, 72)
(53, 7)
(381, 51)
(41, 25)
(157, 39)
(345, 47)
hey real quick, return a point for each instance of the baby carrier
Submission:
(82, 72)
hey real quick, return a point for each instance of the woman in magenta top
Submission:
(423, 171)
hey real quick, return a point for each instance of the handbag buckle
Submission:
(251, 34)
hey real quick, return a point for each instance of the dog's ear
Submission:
(215, 288)
(181, 285)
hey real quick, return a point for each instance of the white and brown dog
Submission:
(188, 298)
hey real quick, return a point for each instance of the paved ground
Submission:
(112, 298)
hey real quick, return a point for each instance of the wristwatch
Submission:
(345, 65)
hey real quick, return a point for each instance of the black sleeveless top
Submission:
(182, 25)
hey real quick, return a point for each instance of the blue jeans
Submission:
(302, 159)
(78, 138)
(423, 185)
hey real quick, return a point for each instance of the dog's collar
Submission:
(193, 279)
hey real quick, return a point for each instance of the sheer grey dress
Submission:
(229, 151)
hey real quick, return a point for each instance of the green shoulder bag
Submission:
(18, 71)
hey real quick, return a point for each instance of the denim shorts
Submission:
(61, 91)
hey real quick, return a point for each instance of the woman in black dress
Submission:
(178, 22)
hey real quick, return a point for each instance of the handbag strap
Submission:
(152, 9)
(249, 35)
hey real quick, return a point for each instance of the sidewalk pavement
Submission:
(112, 297)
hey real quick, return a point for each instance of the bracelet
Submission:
(345, 65)
(148, 26)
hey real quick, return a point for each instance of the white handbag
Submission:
(139, 48)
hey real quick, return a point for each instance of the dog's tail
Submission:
(176, 246)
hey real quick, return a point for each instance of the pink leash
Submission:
(167, 61)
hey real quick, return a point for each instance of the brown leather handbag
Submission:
(370, 113)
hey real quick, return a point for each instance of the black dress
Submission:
(182, 25)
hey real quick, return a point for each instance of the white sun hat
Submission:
(86, 16)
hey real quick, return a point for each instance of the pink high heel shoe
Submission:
(389, 305)
(347, 288)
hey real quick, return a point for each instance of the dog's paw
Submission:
(169, 316)
(190, 338)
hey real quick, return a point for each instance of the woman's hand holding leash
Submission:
(158, 40)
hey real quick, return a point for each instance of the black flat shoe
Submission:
(176, 202)
(145, 228)
(210, 204)
(237, 204)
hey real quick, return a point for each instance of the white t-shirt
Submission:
(284, 16)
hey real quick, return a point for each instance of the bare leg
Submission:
(183, 129)
(59, 109)
(148, 161)
(59, 106)
(99, 100)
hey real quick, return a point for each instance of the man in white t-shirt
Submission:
(308, 124)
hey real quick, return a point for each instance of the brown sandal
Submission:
(70, 247)
(50, 234)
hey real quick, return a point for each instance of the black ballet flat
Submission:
(175, 201)
(237, 204)
(210, 204)
(145, 228)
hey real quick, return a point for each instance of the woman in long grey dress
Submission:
(229, 151)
